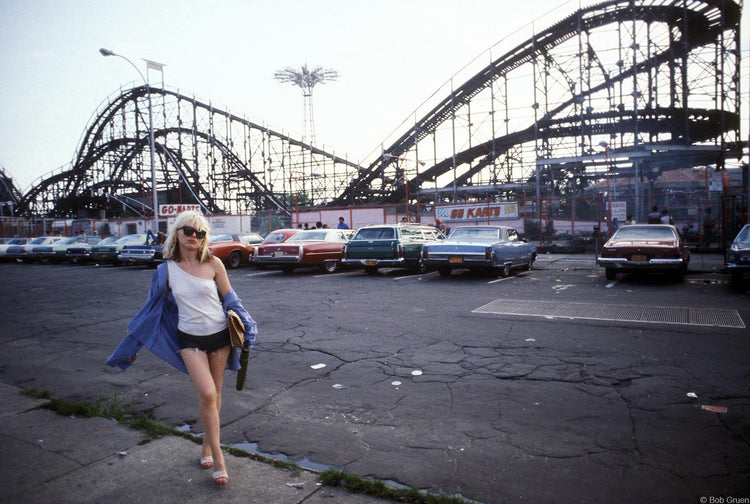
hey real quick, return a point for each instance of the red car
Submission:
(645, 248)
(234, 249)
(314, 247)
(275, 236)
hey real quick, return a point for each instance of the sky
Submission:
(391, 55)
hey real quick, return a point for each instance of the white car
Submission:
(21, 252)
(13, 241)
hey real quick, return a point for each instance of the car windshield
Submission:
(221, 238)
(743, 236)
(110, 239)
(636, 233)
(275, 238)
(136, 238)
(67, 241)
(375, 234)
(37, 241)
(475, 234)
(308, 236)
(251, 238)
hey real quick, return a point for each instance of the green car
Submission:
(390, 246)
(106, 253)
(58, 251)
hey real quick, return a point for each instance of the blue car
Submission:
(497, 249)
(738, 257)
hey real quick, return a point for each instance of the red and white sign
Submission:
(478, 211)
(172, 210)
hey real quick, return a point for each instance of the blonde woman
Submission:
(184, 322)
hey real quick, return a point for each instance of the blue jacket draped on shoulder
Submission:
(155, 327)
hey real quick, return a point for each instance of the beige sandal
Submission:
(221, 477)
(207, 462)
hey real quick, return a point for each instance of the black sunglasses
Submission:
(188, 230)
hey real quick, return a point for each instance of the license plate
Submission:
(104, 256)
(369, 263)
(639, 258)
(278, 254)
(456, 260)
(132, 259)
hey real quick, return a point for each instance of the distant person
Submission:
(630, 220)
(307, 226)
(299, 226)
(318, 225)
(615, 225)
(342, 224)
(654, 217)
(666, 218)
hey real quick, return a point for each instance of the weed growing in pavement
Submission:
(115, 409)
(358, 484)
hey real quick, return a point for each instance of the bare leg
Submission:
(207, 374)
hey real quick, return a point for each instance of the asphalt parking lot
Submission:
(626, 391)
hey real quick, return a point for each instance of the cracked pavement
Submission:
(505, 409)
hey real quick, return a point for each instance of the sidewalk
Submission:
(52, 458)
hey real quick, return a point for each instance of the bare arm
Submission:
(220, 276)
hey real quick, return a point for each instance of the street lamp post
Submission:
(107, 52)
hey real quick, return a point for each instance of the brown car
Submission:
(645, 248)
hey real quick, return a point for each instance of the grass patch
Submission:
(376, 488)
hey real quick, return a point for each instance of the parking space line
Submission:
(694, 316)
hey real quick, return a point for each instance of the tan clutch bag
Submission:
(236, 329)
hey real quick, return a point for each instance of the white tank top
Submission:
(200, 311)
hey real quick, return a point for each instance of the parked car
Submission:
(106, 253)
(148, 255)
(4, 246)
(58, 252)
(489, 248)
(645, 248)
(314, 247)
(390, 245)
(738, 257)
(24, 252)
(275, 236)
(80, 253)
(234, 249)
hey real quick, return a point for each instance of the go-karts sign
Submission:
(172, 210)
(478, 211)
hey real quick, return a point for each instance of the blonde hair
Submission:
(194, 220)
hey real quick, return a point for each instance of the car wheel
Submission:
(371, 270)
(444, 272)
(505, 271)
(330, 266)
(737, 280)
(610, 274)
(679, 275)
(234, 259)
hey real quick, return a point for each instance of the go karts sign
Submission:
(478, 211)
(173, 210)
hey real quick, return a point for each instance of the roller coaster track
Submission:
(204, 156)
(658, 46)
(656, 76)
